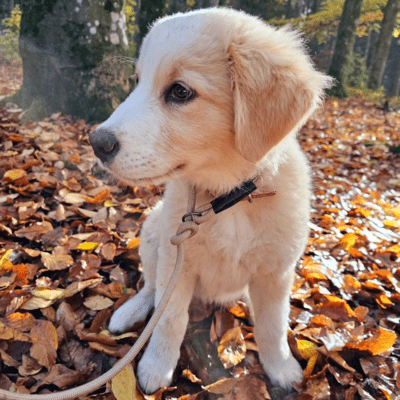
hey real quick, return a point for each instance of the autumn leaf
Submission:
(232, 348)
(124, 385)
(381, 341)
(133, 244)
(56, 261)
(44, 343)
(348, 240)
(98, 302)
(48, 294)
(87, 246)
(308, 350)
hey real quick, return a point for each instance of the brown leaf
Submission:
(36, 231)
(45, 343)
(98, 303)
(58, 260)
(63, 377)
(74, 354)
(21, 321)
(29, 366)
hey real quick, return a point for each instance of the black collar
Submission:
(228, 200)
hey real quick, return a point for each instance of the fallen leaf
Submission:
(98, 302)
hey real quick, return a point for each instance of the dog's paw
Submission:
(153, 372)
(285, 373)
(134, 310)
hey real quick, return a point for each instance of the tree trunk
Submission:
(394, 88)
(150, 10)
(344, 46)
(383, 44)
(63, 46)
(177, 6)
(205, 4)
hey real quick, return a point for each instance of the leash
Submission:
(189, 227)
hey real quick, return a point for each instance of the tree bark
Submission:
(62, 45)
(205, 4)
(344, 46)
(394, 88)
(383, 44)
(177, 6)
(150, 10)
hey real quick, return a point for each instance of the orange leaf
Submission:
(381, 341)
(355, 253)
(383, 301)
(133, 244)
(351, 284)
(99, 198)
(335, 308)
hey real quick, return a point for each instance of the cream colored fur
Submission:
(255, 87)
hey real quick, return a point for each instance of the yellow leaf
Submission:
(5, 263)
(348, 240)
(390, 223)
(48, 294)
(109, 203)
(123, 385)
(308, 350)
(87, 245)
(134, 243)
(393, 211)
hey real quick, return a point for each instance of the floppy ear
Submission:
(274, 90)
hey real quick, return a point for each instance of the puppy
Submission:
(219, 100)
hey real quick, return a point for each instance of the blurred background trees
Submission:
(356, 41)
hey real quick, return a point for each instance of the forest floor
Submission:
(69, 257)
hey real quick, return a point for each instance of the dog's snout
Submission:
(105, 144)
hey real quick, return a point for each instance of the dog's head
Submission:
(217, 90)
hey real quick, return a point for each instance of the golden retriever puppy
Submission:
(219, 100)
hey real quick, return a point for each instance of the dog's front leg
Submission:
(159, 360)
(270, 297)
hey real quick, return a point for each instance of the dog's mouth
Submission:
(154, 180)
(163, 177)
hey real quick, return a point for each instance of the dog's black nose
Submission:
(105, 145)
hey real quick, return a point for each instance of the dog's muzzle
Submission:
(105, 145)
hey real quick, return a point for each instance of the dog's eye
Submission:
(179, 93)
(134, 78)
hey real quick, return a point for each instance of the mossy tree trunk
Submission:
(383, 44)
(150, 10)
(344, 46)
(64, 45)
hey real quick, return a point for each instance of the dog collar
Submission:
(221, 203)
(228, 200)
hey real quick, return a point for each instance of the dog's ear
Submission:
(273, 94)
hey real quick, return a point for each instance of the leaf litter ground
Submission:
(69, 257)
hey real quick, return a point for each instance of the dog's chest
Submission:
(233, 233)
